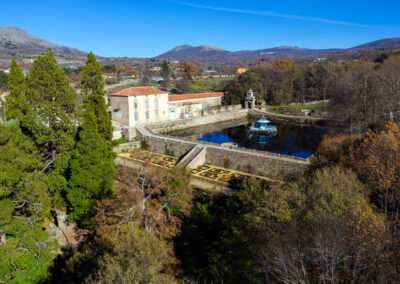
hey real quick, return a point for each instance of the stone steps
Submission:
(194, 158)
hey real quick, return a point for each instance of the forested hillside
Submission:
(362, 94)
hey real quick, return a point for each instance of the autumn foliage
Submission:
(137, 226)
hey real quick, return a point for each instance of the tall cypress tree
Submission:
(90, 171)
(92, 164)
(93, 89)
(15, 100)
(49, 117)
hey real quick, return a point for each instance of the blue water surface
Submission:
(291, 139)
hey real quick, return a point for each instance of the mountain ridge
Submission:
(218, 55)
(16, 41)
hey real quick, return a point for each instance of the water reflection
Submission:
(300, 140)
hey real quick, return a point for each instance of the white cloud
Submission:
(286, 16)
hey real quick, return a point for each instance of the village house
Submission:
(138, 106)
(7, 71)
(155, 68)
(241, 70)
(110, 76)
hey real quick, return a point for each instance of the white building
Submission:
(139, 106)
(187, 105)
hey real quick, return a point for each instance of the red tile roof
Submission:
(172, 98)
(138, 91)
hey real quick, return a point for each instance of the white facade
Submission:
(139, 109)
(137, 106)
(181, 111)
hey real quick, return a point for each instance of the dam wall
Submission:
(245, 160)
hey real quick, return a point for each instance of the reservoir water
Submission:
(294, 139)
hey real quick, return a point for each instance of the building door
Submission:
(171, 115)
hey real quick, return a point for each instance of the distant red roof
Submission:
(138, 91)
(172, 98)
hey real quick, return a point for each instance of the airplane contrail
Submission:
(286, 16)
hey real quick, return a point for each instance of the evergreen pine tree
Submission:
(92, 164)
(49, 117)
(93, 89)
(92, 76)
(165, 69)
(90, 171)
(26, 250)
(15, 100)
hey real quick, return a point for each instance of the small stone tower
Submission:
(249, 100)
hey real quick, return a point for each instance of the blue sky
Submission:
(150, 27)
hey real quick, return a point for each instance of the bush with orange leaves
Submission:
(375, 157)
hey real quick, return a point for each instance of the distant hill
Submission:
(18, 43)
(211, 54)
(203, 53)
(382, 44)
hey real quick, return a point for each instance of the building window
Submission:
(147, 115)
(147, 103)
(117, 112)
(156, 103)
(135, 105)
(191, 113)
(156, 114)
(136, 117)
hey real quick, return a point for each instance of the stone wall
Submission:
(270, 115)
(220, 109)
(126, 147)
(257, 163)
(240, 159)
(211, 117)
(166, 146)
(245, 160)
(127, 132)
(199, 159)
